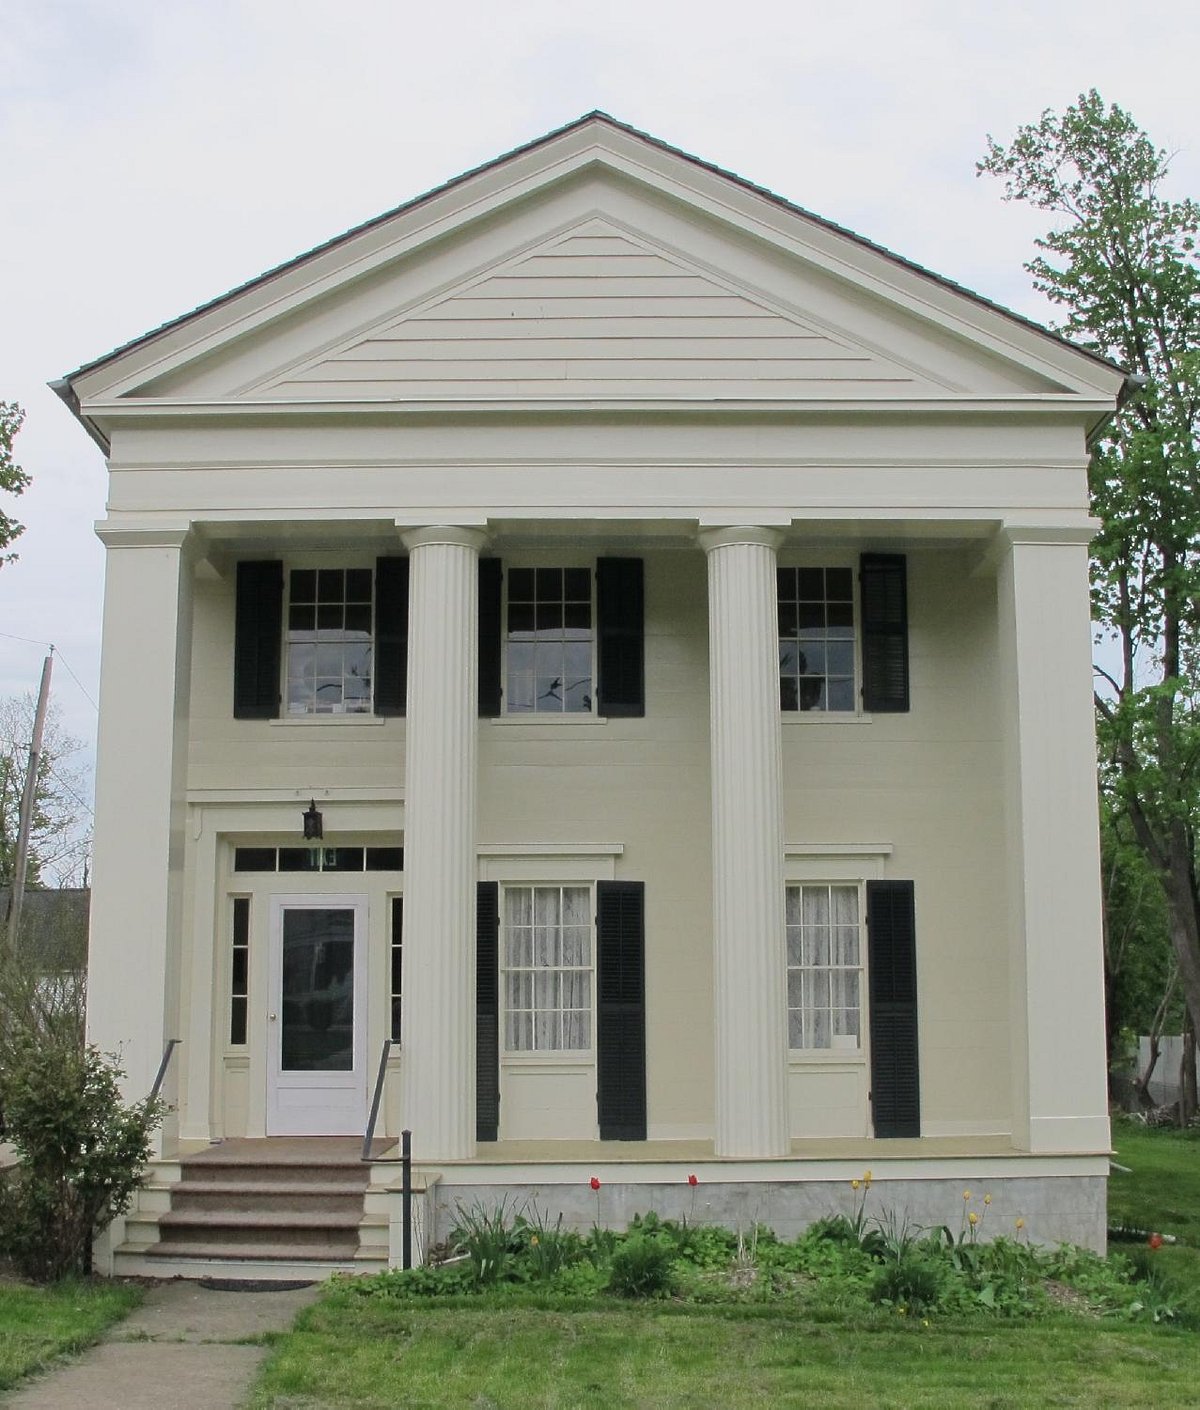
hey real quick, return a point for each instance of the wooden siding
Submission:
(597, 314)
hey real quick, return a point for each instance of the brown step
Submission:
(251, 1195)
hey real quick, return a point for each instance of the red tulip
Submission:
(595, 1183)
(693, 1180)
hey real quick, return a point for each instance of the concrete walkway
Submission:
(181, 1350)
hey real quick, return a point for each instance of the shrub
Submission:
(81, 1150)
(641, 1266)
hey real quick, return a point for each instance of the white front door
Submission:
(316, 1065)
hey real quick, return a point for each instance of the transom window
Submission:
(825, 972)
(548, 641)
(547, 969)
(329, 641)
(816, 639)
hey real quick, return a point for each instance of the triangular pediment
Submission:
(594, 267)
(596, 311)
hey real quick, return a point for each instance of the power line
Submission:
(33, 641)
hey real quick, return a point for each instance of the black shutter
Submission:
(257, 640)
(883, 579)
(391, 635)
(892, 962)
(620, 624)
(490, 636)
(487, 1011)
(621, 1010)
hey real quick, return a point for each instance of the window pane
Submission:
(303, 585)
(549, 583)
(577, 585)
(839, 584)
(520, 584)
(253, 859)
(331, 585)
(358, 585)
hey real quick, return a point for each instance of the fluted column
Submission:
(748, 914)
(438, 1059)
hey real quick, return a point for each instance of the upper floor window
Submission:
(329, 647)
(824, 967)
(816, 639)
(549, 641)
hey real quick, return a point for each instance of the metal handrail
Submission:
(375, 1100)
(172, 1044)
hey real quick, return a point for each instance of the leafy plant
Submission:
(81, 1151)
(641, 1266)
(490, 1238)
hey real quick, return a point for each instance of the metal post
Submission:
(406, 1198)
(27, 801)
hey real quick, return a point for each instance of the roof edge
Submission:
(594, 116)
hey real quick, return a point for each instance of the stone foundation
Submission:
(1055, 1208)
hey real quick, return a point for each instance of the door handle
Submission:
(272, 1017)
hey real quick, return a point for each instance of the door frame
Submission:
(339, 1102)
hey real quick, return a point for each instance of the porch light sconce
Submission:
(314, 824)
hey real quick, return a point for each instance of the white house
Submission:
(676, 609)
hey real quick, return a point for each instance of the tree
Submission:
(12, 477)
(1122, 263)
(60, 835)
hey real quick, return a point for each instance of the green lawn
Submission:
(506, 1351)
(370, 1355)
(39, 1324)
(1161, 1193)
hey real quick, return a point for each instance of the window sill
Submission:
(548, 1059)
(556, 721)
(825, 717)
(826, 1057)
(338, 721)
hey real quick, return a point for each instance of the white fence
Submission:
(1164, 1085)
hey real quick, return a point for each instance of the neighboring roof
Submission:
(64, 389)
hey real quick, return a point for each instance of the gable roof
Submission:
(66, 387)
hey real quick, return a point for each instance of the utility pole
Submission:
(27, 801)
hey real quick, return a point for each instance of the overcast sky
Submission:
(155, 153)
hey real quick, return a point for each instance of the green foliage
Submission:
(641, 1266)
(80, 1150)
(12, 478)
(1122, 263)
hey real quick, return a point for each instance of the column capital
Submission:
(171, 535)
(452, 534)
(739, 534)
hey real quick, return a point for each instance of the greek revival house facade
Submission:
(623, 641)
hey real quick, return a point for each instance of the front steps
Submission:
(275, 1210)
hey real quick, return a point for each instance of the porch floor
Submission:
(684, 1152)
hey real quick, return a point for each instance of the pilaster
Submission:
(135, 943)
(1056, 973)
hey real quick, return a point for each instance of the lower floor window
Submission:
(547, 969)
(824, 960)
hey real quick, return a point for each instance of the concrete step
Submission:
(283, 1206)
(250, 1231)
(254, 1196)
